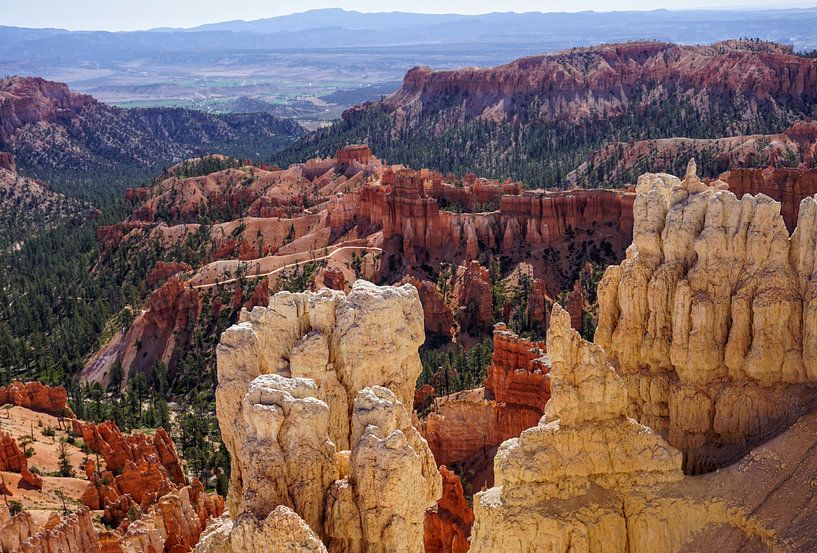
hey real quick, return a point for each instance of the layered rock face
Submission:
(524, 222)
(618, 163)
(584, 82)
(785, 185)
(37, 397)
(584, 448)
(310, 402)
(710, 319)
(517, 373)
(448, 524)
(588, 479)
(466, 427)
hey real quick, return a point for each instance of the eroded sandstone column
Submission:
(710, 318)
(559, 485)
(311, 404)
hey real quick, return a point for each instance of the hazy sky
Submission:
(119, 15)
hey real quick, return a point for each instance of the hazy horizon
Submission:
(98, 15)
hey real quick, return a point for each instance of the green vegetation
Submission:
(540, 154)
(453, 368)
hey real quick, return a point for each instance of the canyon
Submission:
(662, 434)
(134, 498)
(349, 216)
(595, 116)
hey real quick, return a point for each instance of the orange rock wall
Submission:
(37, 397)
(787, 186)
(517, 374)
(448, 524)
(13, 459)
(118, 449)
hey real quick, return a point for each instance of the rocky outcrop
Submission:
(30, 100)
(437, 315)
(619, 163)
(282, 531)
(518, 369)
(354, 154)
(709, 319)
(139, 471)
(466, 427)
(448, 524)
(61, 534)
(310, 402)
(173, 524)
(475, 301)
(583, 448)
(7, 162)
(785, 185)
(521, 224)
(48, 126)
(588, 479)
(13, 459)
(576, 303)
(37, 397)
(119, 449)
(163, 270)
(334, 279)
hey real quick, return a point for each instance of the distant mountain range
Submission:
(539, 118)
(309, 55)
(333, 28)
(60, 135)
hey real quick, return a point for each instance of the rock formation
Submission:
(437, 315)
(584, 448)
(7, 162)
(173, 524)
(62, 534)
(37, 397)
(354, 154)
(448, 524)
(466, 427)
(580, 83)
(472, 290)
(588, 479)
(118, 449)
(163, 270)
(785, 185)
(310, 402)
(48, 126)
(619, 163)
(709, 319)
(13, 459)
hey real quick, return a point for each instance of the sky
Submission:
(128, 15)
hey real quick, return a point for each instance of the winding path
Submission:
(288, 265)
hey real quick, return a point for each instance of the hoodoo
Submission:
(710, 319)
(313, 401)
(589, 479)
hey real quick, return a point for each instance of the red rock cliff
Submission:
(787, 186)
(584, 82)
(448, 524)
(25, 100)
(37, 397)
